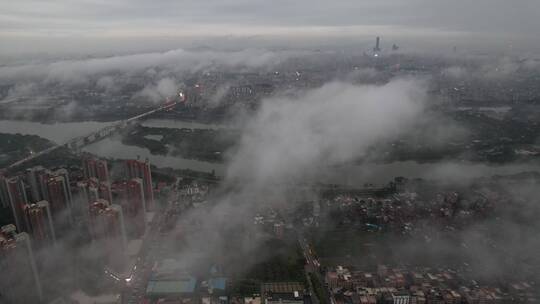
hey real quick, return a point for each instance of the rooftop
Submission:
(217, 283)
(165, 288)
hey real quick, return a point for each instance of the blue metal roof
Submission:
(163, 288)
(217, 283)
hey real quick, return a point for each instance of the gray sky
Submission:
(62, 20)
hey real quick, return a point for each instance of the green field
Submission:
(17, 146)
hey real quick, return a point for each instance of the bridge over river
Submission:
(78, 142)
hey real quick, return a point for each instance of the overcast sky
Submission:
(34, 20)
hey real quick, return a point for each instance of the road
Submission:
(135, 290)
(152, 250)
(313, 266)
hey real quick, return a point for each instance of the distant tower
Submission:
(377, 47)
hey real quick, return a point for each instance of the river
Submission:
(179, 124)
(112, 147)
(357, 175)
(57, 132)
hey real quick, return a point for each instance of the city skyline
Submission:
(58, 25)
(269, 152)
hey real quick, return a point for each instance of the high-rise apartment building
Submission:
(22, 282)
(140, 169)
(96, 168)
(17, 201)
(40, 225)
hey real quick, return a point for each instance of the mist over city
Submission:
(269, 152)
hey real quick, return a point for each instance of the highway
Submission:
(81, 141)
(313, 266)
(152, 251)
(136, 283)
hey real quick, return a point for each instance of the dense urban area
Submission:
(223, 184)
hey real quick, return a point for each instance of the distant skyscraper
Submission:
(17, 201)
(20, 279)
(139, 169)
(40, 223)
(377, 47)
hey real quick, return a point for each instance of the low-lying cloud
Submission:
(336, 123)
(149, 75)
(500, 69)
(159, 91)
(179, 60)
(287, 141)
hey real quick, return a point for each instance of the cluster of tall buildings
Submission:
(38, 198)
(125, 200)
(140, 170)
(96, 184)
(19, 265)
(47, 204)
